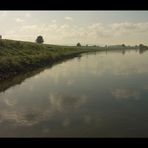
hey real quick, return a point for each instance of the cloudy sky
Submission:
(70, 27)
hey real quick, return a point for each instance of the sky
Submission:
(71, 27)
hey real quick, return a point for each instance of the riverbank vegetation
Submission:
(19, 56)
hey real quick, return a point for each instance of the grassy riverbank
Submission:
(18, 57)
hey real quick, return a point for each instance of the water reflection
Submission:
(141, 51)
(14, 111)
(16, 80)
(126, 94)
(79, 58)
(145, 87)
(120, 70)
(95, 95)
(123, 51)
(63, 103)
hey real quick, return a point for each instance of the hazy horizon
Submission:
(70, 27)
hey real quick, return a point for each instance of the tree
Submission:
(39, 39)
(78, 44)
(123, 45)
(141, 45)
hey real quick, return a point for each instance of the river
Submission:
(102, 94)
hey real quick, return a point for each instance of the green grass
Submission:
(19, 56)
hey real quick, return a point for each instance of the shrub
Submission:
(39, 39)
(78, 45)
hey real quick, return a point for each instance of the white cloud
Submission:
(69, 18)
(129, 27)
(19, 20)
(28, 15)
(95, 33)
(53, 21)
(64, 26)
(29, 27)
(119, 28)
(3, 14)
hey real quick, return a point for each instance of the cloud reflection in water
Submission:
(20, 115)
(125, 94)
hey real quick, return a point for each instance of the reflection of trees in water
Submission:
(106, 51)
(16, 80)
(142, 48)
(137, 50)
(141, 51)
(79, 58)
(123, 51)
(5, 84)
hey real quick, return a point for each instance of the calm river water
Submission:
(103, 94)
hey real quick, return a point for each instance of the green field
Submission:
(19, 57)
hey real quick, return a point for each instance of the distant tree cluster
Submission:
(142, 47)
(78, 45)
(39, 39)
(0, 36)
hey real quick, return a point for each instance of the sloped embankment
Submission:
(19, 56)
